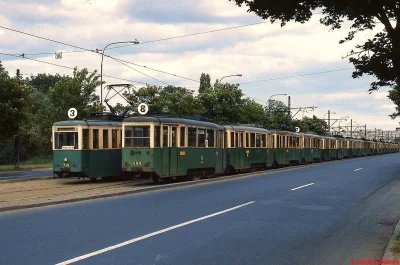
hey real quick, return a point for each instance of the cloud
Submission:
(259, 52)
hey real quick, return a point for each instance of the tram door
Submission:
(170, 150)
(240, 153)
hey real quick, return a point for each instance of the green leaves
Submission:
(378, 57)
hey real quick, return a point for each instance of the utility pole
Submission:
(16, 143)
(351, 128)
(289, 105)
(329, 122)
(365, 134)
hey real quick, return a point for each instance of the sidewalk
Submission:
(389, 254)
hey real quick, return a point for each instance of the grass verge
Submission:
(30, 164)
(396, 245)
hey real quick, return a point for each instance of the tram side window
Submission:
(165, 136)
(210, 138)
(191, 137)
(252, 140)
(66, 140)
(226, 139)
(233, 139)
(156, 136)
(201, 137)
(85, 138)
(95, 138)
(183, 136)
(114, 138)
(258, 140)
(105, 138)
(263, 140)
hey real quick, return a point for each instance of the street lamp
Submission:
(276, 95)
(229, 76)
(101, 70)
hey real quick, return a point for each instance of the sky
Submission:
(304, 61)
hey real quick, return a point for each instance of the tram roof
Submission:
(168, 120)
(88, 122)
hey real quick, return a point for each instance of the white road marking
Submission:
(150, 235)
(358, 169)
(303, 186)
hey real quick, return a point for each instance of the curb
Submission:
(169, 186)
(24, 179)
(24, 170)
(389, 254)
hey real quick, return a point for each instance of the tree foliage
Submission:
(14, 100)
(378, 56)
(314, 124)
(205, 82)
(277, 115)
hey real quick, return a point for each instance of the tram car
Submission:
(162, 148)
(88, 148)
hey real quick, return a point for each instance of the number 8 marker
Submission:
(143, 108)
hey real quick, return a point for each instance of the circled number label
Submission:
(72, 113)
(143, 108)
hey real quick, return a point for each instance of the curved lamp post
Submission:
(229, 76)
(101, 68)
(276, 95)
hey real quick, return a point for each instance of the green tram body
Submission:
(163, 148)
(87, 148)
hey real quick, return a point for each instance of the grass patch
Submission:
(30, 164)
(396, 245)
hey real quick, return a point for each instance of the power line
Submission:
(286, 77)
(68, 67)
(138, 71)
(36, 36)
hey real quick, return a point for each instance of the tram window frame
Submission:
(165, 136)
(252, 142)
(157, 136)
(85, 139)
(211, 137)
(258, 140)
(182, 136)
(201, 140)
(192, 136)
(114, 138)
(66, 139)
(137, 136)
(105, 138)
(264, 141)
(95, 139)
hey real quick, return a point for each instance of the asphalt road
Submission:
(325, 214)
(25, 174)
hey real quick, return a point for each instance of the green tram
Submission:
(88, 148)
(163, 148)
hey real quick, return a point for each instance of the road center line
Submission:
(150, 235)
(358, 169)
(303, 186)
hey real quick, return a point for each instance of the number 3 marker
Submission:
(72, 113)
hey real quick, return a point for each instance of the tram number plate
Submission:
(136, 163)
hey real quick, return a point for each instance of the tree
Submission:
(379, 56)
(177, 101)
(205, 82)
(14, 99)
(42, 82)
(222, 103)
(78, 91)
(276, 115)
(313, 124)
